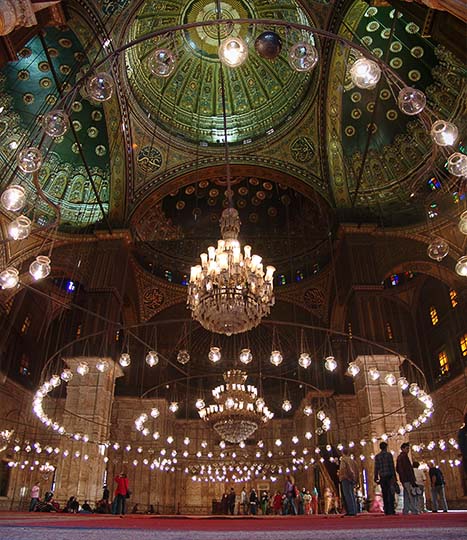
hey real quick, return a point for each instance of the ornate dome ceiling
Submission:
(261, 95)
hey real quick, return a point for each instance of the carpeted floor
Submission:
(24, 526)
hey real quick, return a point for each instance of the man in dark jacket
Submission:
(385, 476)
(407, 477)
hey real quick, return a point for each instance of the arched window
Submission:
(434, 316)
(463, 344)
(443, 362)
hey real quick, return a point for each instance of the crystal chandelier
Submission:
(238, 411)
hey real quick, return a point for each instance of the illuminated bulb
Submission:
(102, 365)
(125, 360)
(186, 441)
(260, 403)
(353, 369)
(278, 442)
(304, 360)
(30, 159)
(9, 278)
(308, 410)
(457, 164)
(444, 133)
(13, 198)
(286, 405)
(403, 383)
(437, 249)
(214, 354)
(463, 223)
(374, 374)
(233, 51)
(321, 415)
(40, 268)
(303, 57)
(245, 356)
(152, 358)
(461, 266)
(390, 379)
(414, 389)
(19, 228)
(55, 380)
(229, 403)
(55, 123)
(200, 404)
(411, 101)
(155, 412)
(330, 363)
(66, 375)
(183, 356)
(162, 62)
(308, 435)
(365, 73)
(276, 358)
(83, 368)
(173, 407)
(100, 87)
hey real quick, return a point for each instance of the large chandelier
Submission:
(238, 410)
(229, 292)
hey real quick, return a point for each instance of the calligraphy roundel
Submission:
(153, 298)
(149, 159)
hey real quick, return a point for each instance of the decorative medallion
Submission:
(149, 159)
(314, 298)
(302, 149)
(153, 298)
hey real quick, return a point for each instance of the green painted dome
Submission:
(262, 96)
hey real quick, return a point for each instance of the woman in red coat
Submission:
(121, 493)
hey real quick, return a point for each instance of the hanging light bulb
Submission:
(229, 403)
(414, 389)
(365, 73)
(19, 228)
(304, 360)
(173, 407)
(66, 375)
(411, 101)
(102, 365)
(303, 57)
(276, 358)
(245, 356)
(13, 198)
(390, 379)
(374, 374)
(437, 249)
(83, 368)
(155, 412)
(463, 223)
(330, 363)
(55, 123)
(9, 278)
(40, 268)
(457, 164)
(152, 358)
(100, 87)
(320, 415)
(29, 159)
(214, 355)
(286, 405)
(353, 369)
(461, 266)
(444, 133)
(200, 404)
(233, 52)
(403, 383)
(125, 360)
(162, 62)
(183, 356)
(307, 410)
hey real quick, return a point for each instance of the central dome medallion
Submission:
(262, 96)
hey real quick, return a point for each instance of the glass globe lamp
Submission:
(102, 365)
(403, 383)
(155, 412)
(9, 278)
(19, 228)
(173, 407)
(411, 101)
(260, 403)
(233, 52)
(365, 73)
(124, 360)
(304, 360)
(330, 363)
(320, 415)
(276, 358)
(229, 403)
(40, 268)
(200, 404)
(29, 159)
(414, 389)
(13, 198)
(83, 368)
(100, 87)
(55, 123)
(152, 359)
(214, 355)
(66, 375)
(286, 405)
(444, 133)
(437, 249)
(183, 356)
(162, 62)
(390, 379)
(268, 45)
(463, 223)
(353, 369)
(374, 374)
(245, 356)
(457, 164)
(303, 57)
(461, 266)
(308, 410)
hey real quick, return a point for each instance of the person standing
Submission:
(121, 493)
(289, 492)
(264, 503)
(462, 442)
(407, 477)
(307, 502)
(244, 501)
(314, 500)
(385, 476)
(277, 503)
(35, 493)
(253, 502)
(437, 488)
(231, 501)
(420, 478)
(348, 476)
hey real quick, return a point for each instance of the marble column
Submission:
(87, 411)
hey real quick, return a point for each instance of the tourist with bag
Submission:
(122, 493)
